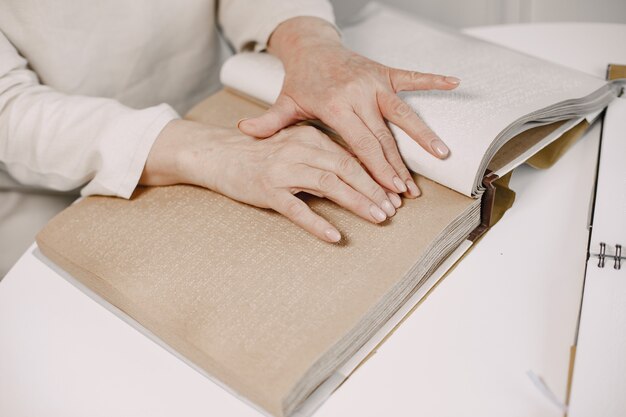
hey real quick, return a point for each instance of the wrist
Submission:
(189, 152)
(165, 164)
(299, 34)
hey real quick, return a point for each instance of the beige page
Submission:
(240, 291)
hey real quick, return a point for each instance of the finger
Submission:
(373, 120)
(395, 199)
(298, 212)
(282, 114)
(347, 168)
(345, 159)
(402, 80)
(398, 112)
(367, 148)
(332, 187)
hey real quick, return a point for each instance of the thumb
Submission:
(413, 80)
(282, 114)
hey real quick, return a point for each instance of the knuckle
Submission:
(323, 141)
(282, 134)
(365, 144)
(349, 165)
(294, 209)
(401, 109)
(402, 170)
(290, 134)
(314, 136)
(425, 134)
(282, 159)
(415, 75)
(388, 170)
(354, 87)
(385, 137)
(318, 225)
(328, 181)
(394, 158)
(363, 202)
(378, 194)
(307, 130)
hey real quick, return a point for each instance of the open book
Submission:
(270, 312)
(502, 93)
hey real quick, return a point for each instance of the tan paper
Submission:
(241, 291)
(520, 144)
(549, 155)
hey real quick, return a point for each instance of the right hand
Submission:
(268, 173)
(351, 94)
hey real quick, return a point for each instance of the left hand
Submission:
(351, 94)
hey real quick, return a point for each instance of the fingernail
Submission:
(388, 208)
(413, 189)
(452, 80)
(333, 235)
(377, 213)
(399, 184)
(241, 120)
(440, 148)
(395, 199)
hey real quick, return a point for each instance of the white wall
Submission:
(462, 13)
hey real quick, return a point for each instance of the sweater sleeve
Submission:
(249, 24)
(62, 142)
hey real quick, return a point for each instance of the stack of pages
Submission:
(267, 310)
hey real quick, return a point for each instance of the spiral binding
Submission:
(617, 257)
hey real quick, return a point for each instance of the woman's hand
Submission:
(267, 173)
(351, 94)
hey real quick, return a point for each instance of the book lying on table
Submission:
(265, 309)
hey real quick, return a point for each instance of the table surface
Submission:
(511, 306)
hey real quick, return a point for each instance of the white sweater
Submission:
(86, 86)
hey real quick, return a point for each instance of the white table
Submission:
(509, 307)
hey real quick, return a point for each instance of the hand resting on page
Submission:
(351, 94)
(268, 173)
(323, 80)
